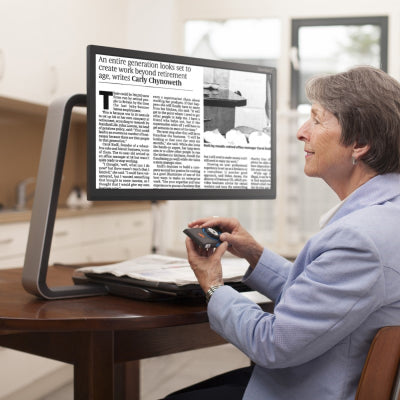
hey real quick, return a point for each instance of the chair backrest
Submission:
(380, 376)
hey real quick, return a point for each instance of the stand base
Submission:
(44, 209)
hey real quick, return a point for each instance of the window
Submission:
(332, 45)
(328, 45)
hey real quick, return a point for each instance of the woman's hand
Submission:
(241, 243)
(206, 264)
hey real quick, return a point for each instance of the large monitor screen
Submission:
(170, 127)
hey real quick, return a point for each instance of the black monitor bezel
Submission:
(94, 193)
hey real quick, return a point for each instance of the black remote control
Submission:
(204, 237)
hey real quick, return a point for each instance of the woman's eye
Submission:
(315, 121)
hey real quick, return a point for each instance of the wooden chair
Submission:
(381, 376)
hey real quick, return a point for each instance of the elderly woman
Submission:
(344, 284)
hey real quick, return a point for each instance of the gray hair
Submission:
(366, 102)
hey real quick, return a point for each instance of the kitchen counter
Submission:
(10, 216)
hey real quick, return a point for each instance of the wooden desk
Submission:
(103, 336)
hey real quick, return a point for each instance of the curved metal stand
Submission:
(45, 205)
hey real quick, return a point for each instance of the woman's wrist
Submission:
(211, 291)
(255, 255)
(216, 282)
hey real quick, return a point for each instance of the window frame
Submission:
(381, 21)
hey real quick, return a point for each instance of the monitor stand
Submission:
(44, 208)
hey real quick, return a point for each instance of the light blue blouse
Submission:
(329, 303)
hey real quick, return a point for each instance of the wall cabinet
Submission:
(13, 238)
(89, 238)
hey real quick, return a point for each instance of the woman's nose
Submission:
(303, 133)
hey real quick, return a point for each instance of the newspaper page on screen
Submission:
(153, 127)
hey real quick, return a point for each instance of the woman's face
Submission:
(325, 157)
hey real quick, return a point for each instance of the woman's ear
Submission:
(359, 151)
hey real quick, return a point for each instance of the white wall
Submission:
(43, 44)
(152, 26)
